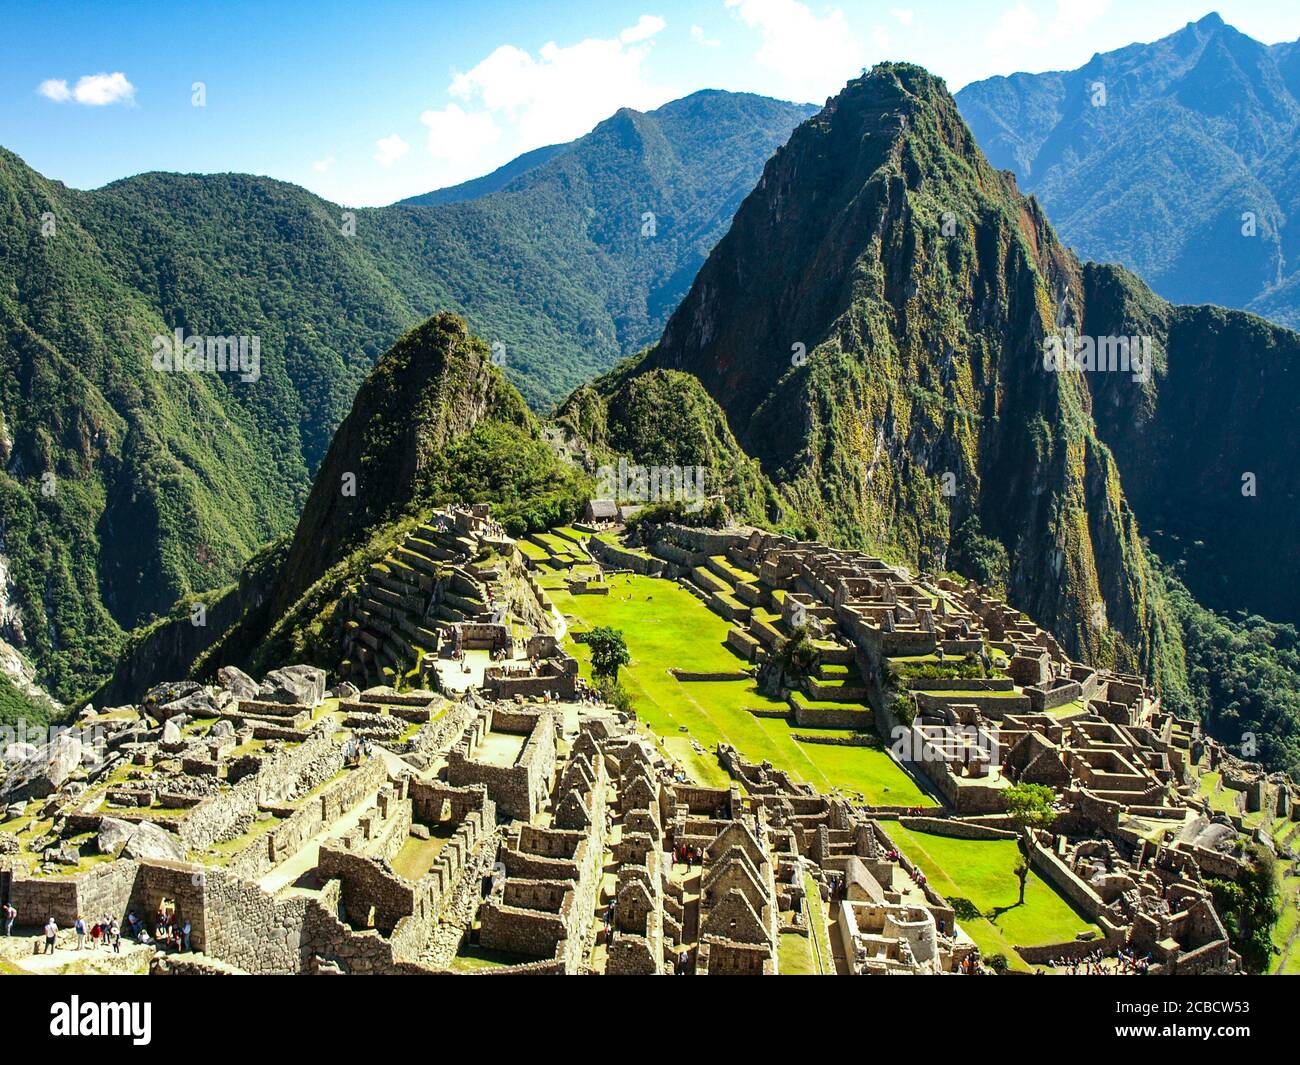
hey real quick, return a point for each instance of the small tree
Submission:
(794, 660)
(1030, 807)
(608, 652)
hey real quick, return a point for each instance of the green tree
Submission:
(1249, 908)
(978, 556)
(608, 651)
(793, 661)
(1030, 807)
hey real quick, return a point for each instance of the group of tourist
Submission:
(105, 932)
(684, 855)
(168, 931)
(587, 695)
(1125, 963)
(356, 750)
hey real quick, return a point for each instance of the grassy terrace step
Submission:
(985, 877)
(531, 550)
(429, 550)
(666, 627)
(727, 606)
(800, 699)
(417, 561)
(833, 672)
(768, 633)
(728, 570)
(710, 581)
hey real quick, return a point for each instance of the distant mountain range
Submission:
(1179, 159)
(124, 489)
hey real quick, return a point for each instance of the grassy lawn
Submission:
(418, 855)
(1286, 933)
(986, 879)
(1223, 800)
(795, 955)
(473, 957)
(666, 627)
(819, 928)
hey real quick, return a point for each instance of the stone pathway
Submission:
(17, 951)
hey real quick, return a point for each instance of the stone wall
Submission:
(311, 817)
(517, 790)
(617, 558)
(282, 774)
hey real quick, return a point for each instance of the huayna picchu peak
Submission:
(725, 537)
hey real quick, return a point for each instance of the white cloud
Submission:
(904, 15)
(1020, 28)
(700, 37)
(514, 100)
(1016, 28)
(646, 27)
(1073, 16)
(55, 89)
(390, 149)
(93, 90)
(322, 165)
(811, 55)
(455, 132)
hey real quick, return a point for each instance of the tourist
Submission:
(115, 933)
(133, 922)
(11, 915)
(186, 929)
(96, 931)
(51, 930)
(79, 926)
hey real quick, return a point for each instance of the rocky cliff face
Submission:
(874, 327)
(1205, 447)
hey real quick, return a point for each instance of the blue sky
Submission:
(367, 102)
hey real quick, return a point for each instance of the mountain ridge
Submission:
(1205, 119)
(169, 482)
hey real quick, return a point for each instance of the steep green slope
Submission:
(488, 183)
(887, 368)
(1206, 446)
(665, 418)
(164, 484)
(1194, 132)
(122, 488)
